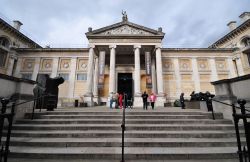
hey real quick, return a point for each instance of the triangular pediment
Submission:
(123, 29)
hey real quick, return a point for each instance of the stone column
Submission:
(177, 76)
(36, 68)
(231, 68)
(137, 72)
(154, 85)
(18, 67)
(96, 74)
(214, 74)
(196, 77)
(161, 95)
(88, 97)
(137, 77)
(112, 86)
(54, 67)
(72, 77)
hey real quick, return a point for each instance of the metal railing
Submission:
(244, 153)
(123, 126)
(4, 150)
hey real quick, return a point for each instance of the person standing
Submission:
(120, 100)
(111, 100)
(145, 100)
(182, 101)
(152, 100)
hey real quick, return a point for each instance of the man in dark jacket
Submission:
(182, 101)
(145, 100)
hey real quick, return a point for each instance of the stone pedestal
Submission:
(89, 100)
(160, 100)
(138, 101)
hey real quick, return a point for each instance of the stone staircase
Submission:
(94, 134)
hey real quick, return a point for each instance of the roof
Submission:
(18, 33)
(125, 29)
(245, 25)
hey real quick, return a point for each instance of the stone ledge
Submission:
(11, 78)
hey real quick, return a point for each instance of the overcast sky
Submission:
(63, 23)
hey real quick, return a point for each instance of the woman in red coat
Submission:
(120, 100)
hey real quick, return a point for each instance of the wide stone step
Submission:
(35, 127)
(131, 153)
(128, 134)
(127, 117)
(128, 121)
(129, 142)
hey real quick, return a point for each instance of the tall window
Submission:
(4, 44)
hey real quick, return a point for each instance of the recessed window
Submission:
(81, 76)
(246, 42)
(27, 76)
(3, 58)
(64, 75)
(4, 42)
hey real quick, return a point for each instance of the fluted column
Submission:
(137, 74)
(18, 67)
(177, 76)
(159, 71)
(90, 71)
(231, 68)
(112, 87)
(154, 86)
(95, 90)
(12, 58)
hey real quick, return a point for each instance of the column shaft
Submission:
(159, 71)
(36, 68)
(214, 74)
(231, 68)
(54, 67)
(177, 76)
(154, 85)
(112, 86)
(72, 77)
(95, 89)
(196, 77)
(90, 71)
(137, 73)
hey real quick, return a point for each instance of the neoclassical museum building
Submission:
(127, 57)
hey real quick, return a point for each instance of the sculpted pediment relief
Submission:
(125, 30)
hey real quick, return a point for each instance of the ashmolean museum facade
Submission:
(126, 57)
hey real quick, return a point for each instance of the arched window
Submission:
(4, 42)
(245, 41)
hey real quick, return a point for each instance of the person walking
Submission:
(120, 100)
(152, 99)
(111, 100)
(145, 100)
(182, 101)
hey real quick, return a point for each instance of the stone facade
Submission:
(123, 46)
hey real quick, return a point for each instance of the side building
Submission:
(127, 57)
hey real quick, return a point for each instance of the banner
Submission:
(101, 70)
(148, 69)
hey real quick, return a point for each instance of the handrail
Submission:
(230, 104)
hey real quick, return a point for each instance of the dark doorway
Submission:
(125, 83)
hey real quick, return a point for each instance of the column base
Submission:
(138, 101)
(88, 98)
(160, 100)
(96, 100)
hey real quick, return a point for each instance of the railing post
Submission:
(4, 102)
(244, 118)
(10, 120)
(236, 126)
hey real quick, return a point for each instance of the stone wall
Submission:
(229, 90)
(20, 89)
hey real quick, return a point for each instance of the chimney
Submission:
(17, 24)
(232, 25)
(160, 29)
(244, 16)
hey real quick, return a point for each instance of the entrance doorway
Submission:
(125, 83)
